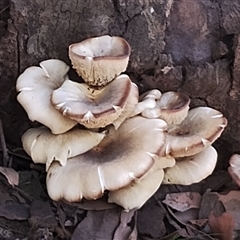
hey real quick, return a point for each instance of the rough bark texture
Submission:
(193, 46)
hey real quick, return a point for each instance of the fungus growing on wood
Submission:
(99, 60)
(140, 190)
(35, 86)
(201, 127)
(93, 107)
(122, 156)
(192, 169)
(172, 107)
(45, 147)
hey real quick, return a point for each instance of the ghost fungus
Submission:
(99, 60)
(45, 147)
(172, 107)
(234, 168)
(36, 85)
(140, 190)
(201, 127)
(192, 169)
(93, 107)
(122, 156)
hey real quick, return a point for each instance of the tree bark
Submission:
(180, 45)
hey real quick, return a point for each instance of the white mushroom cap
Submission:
(140, 190)
(121, 156)
(92, 107)
(99, 60)
(45, 147)
(36, 85)
(201, 127)
(172, 107)
(192, 169)
(234, 168)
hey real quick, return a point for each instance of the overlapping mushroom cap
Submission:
(99, 60)
(122, 156)
(140, 190)
(45, 147)
(191, 169)
(36, 85)
(93, 107)
(201, 127)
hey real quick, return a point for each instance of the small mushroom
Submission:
(36, 85)
(147, 100)
(93, 107)
(140, 190)
(172, 107)
(99, 60)
(45, 147)
(121, 157)
(191, 169)
(234, 168)
(201, 127)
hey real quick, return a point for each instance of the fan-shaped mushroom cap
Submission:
(92, 107)
(201, 127)
(45, 147)
(121, 156)
(172, 107)
(99, 60)
(36, 85)
(140, 190)
(192, 169)
(234, 168)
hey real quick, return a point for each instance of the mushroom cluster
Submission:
(101, 137)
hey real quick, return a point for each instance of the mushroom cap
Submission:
(137, 193)
(192, 169)
(99, 60)
(201, 127)
(172, 107)
(45, 147)
(140, 190)
(36, 85)
(92, 107)
(122, 156)
(234, 168)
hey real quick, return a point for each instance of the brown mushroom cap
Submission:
(45, 147)
(192, 169)
(36, 85)
(172, 107)
(122, 156)
(140, 190)
(92, 107)
(201, 127)
(99, 60)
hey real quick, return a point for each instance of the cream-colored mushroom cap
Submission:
(122, 156)
(99, 60)
(172, 107)
(45, 147)
(192, 169)
(36, 85)
(140, 190)
(234, 168)
(93, 107)
(201, 127)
